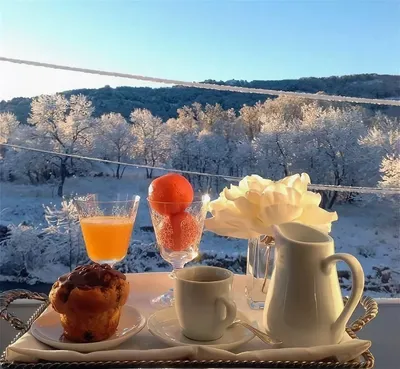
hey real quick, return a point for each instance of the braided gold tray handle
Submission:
(370, 306)
(371, 311)
(7, 297)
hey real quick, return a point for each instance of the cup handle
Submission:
(357, 286)
(230, 310)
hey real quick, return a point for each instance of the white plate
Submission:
(164, 325)
(47, 329)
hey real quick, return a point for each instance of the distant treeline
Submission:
(164, 102)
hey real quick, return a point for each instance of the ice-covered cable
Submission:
(320, 187)
(209, 86)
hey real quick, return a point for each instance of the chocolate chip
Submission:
(64, 296)
(88, 336)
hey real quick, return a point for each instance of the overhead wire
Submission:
(209, 86)
(315, 187)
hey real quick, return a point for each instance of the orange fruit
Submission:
(179, 231)
(170, 194)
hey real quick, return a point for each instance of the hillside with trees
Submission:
(164, 102)
(376, 86)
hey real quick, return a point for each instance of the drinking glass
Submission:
(106, 227)
(178, 235)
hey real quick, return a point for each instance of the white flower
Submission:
(252, 208)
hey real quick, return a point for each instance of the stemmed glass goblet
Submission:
(106, 227)
(178, 228)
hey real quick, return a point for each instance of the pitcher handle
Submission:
(357, 288)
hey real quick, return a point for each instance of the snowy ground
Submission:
(368, 229)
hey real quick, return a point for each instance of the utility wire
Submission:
(320, 187)
(209, 86)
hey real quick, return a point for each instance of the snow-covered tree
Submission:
(114, 139)
(288, 109)
(197, 117)
(384, 138)
(384, 134)
(189, 118)
(274, 145)
(63, 227)
(212, 114)
(183, 132)
(210, 157)
(66, 124)
(23, 252)
(320, 140)
(277, 114)
(208, 140)
(234, 136)
(250, 116)
(152, 139)
(8, 125)
(331, 151)
(36, 166)
(39, 253)
(390, 169)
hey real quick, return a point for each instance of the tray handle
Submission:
(371, 310)
(7, 297)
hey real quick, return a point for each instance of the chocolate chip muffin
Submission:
(89, 301)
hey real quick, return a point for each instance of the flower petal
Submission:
(293, 196)
(217, 205)
(297, 181)
(232, 193)
(271, 197)
(260, 227)
(317, 217)
(286, 195)
(253, 196)
(223, 229)
(279, 213)
(231, 217)
(243, 185)
(277, 187)
(310, 198)
(254, 183)
(289, 180)
(305, 178)
(263, 182)
(246, 207)
(302, 184)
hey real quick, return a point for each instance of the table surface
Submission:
(383, 331)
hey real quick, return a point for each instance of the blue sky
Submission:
(195, 40)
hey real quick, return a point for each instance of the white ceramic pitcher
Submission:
(303, 305)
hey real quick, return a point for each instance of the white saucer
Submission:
(164, 325)
(47, 329)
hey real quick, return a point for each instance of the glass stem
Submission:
(176, 266)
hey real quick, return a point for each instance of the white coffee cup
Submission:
(204, 302)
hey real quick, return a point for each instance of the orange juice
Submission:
(106, 237)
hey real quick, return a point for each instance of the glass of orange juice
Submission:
(107, 227)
